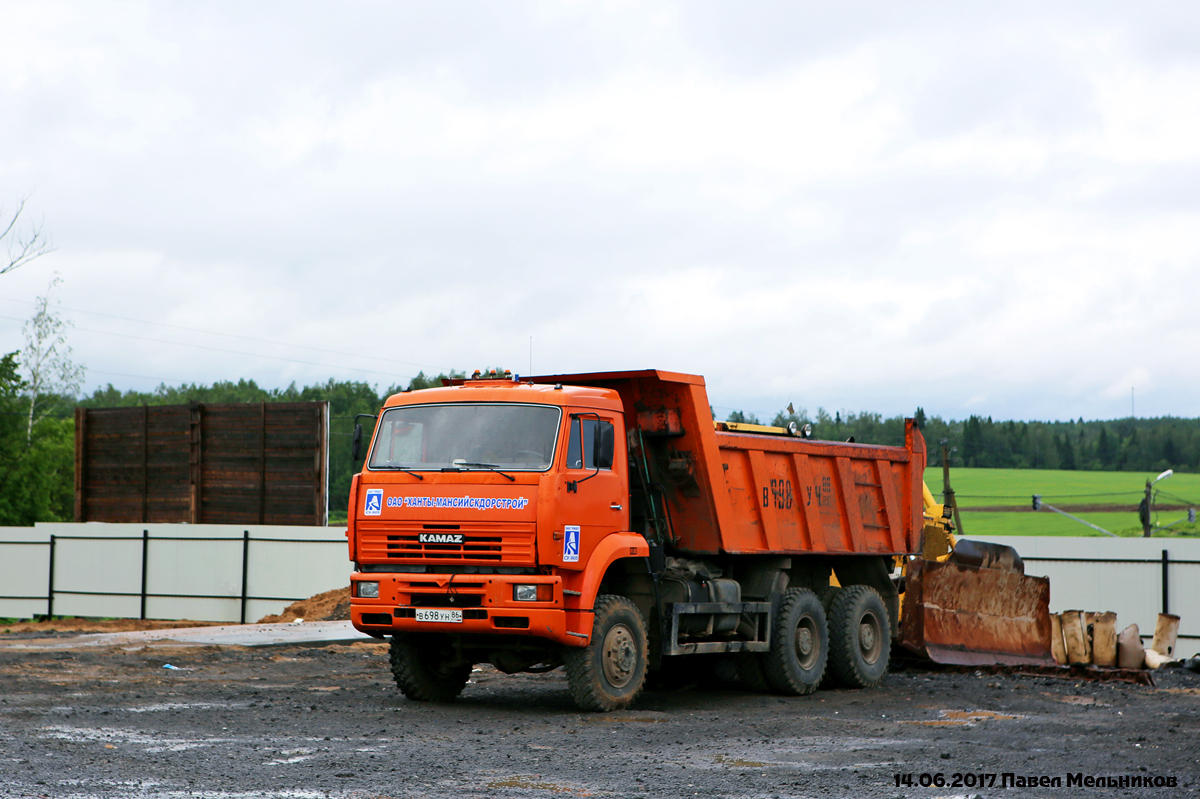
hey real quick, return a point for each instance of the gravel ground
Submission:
(296, 721)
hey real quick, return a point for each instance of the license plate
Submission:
(439, 614)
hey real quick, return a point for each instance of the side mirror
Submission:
(356, 448)
(604, 445)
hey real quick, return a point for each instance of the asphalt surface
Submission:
(326, 721)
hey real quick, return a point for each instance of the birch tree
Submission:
(23, 241)
(49, 372)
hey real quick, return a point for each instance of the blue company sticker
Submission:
(472, 503)
(374, 504)
(571, 543)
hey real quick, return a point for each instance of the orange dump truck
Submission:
(603, 522)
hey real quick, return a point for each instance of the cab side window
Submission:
(582, 453)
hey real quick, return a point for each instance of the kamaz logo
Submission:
(440, 538)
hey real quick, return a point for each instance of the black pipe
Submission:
(245, 569)
(145, 547)
(1165, 582)
(50, 591)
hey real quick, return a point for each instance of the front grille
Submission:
(447, 600)
(473, 547)
(496, 543)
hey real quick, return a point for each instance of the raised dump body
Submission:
(772, 493)
(603, 522)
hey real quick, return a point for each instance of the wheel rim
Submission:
(870, 638)
(808, 642)
(619, 656)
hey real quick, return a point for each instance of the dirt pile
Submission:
(328, 606)
(99, 625)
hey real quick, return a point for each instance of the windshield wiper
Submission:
(407, 469)
(494, 467)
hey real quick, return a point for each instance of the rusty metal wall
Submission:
(246, 463)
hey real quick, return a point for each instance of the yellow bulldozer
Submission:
(970, 603)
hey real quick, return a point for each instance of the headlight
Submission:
(368, 590)
(540, 592)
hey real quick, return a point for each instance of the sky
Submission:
(972, 208)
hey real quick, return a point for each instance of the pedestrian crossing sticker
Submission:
(571, 543)
(374, 505)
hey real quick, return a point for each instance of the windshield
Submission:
(466, 436)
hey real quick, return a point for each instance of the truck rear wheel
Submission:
(799, 644)
(424, 668)
(859, 637)
(609, 672)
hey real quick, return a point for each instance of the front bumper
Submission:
(485, 600)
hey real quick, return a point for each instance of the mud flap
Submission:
(968, 616)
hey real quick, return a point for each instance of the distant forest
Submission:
(36, 472)
(1117, 445)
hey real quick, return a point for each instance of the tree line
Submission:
(978, 441)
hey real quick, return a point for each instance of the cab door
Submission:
(593, 491)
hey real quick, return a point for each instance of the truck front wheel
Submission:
(425, 668)
(799, 644)
(859, 637)
(609, 672)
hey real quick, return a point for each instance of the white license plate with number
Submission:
(439, 614)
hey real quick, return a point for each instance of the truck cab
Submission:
(483, 518)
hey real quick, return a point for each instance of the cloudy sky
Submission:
(970, 208)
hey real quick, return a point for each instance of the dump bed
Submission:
(762, 494)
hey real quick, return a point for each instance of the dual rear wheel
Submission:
(846, 631)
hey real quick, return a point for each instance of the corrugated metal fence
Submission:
(205, 572)
(228, 463)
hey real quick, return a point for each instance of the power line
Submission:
(141, 377)
(231, 352)
(229, 335)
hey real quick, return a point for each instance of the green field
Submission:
(979, 488)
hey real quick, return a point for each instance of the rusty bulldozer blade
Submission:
(966, 614)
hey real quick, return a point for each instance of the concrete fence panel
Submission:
(24, 572)
(167, 571)
(1124, 575)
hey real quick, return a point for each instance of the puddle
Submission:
(529, 784)
(158, 708)
(642, 716)
(112, 735)
(965, 718)
(738, 762)
(297, 756)
(1075, 700)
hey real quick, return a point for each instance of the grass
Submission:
(1015, 488)
(984, 487)
(1048, 523)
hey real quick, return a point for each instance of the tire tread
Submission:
(415, 679)
(583, 672)
(777, 664)
(844, 665)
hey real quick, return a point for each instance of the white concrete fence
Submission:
(203, 572)
(239, 573)
(1137, 578)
